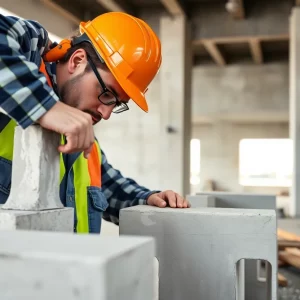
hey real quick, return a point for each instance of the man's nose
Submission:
(105, 110)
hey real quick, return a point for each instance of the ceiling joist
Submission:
(215, 53)
(254, 42)
(256, 50)
(174, 7)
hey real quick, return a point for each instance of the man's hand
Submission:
(76, 125)
(167, 198)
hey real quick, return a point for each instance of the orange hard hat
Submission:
(130, 49)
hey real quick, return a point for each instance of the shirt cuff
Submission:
(145, 197)
(39, 110)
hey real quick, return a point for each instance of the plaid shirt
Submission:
(25, 97)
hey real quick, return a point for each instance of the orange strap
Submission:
(94, 167)
(43, 70)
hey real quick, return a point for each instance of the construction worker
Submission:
(69, 87)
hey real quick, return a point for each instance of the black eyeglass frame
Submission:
(117, 103)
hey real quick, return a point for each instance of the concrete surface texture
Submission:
(252, 286)
(197, 247)
(61, 219)
(35, 171)
(67, 267)
(34, 201)
(175, 99)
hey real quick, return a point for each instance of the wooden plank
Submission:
(282, 281)
(214, 52)
(289, 258)
(174, 7)
(297, 3)
(61, 11)
(282, 244)
(256, 51)
(286, 235)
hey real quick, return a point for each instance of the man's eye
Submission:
(106, 95)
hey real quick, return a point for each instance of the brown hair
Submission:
(90, 51)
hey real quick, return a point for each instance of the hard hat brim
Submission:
(129, 88)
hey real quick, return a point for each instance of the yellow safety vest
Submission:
(86, 172)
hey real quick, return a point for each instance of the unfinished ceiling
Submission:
(224, 31)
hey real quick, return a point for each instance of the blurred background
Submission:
(220, 109)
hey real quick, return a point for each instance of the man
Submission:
(111, 60)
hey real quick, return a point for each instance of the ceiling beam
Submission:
(236, 8)
(112, 5)
(256, 50)
(242, 39)
(215, 53)
(61, 11)
(174, 7)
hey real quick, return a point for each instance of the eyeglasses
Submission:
(108, 97)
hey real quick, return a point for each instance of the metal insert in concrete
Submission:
(199, 248)
(64, 266)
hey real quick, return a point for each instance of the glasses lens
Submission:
(108, 98)
(120, 108)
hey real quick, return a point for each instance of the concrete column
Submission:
(34, 201)
(63, 266)
(295, 108)
(175, 76)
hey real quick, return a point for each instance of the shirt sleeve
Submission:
(120, 192)
(24, 93)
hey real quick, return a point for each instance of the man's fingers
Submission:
(87, 152)
(157, 201)
(171, 198)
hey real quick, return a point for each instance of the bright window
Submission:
(265, 162)
(195, 162)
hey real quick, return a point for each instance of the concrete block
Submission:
(198, 249)
(35, 172)
(233, 200)
(248, 270)
(202, 200)
(61, 266)
(61, 219)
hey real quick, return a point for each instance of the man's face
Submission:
(81, 90)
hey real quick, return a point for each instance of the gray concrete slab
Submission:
(61, 219)
(240, 200)
(63, 266)
(198, 248)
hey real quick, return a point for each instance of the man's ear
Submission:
(78, 59)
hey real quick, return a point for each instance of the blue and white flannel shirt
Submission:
(25, 97)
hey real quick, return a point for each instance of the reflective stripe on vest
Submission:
(87, 172)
